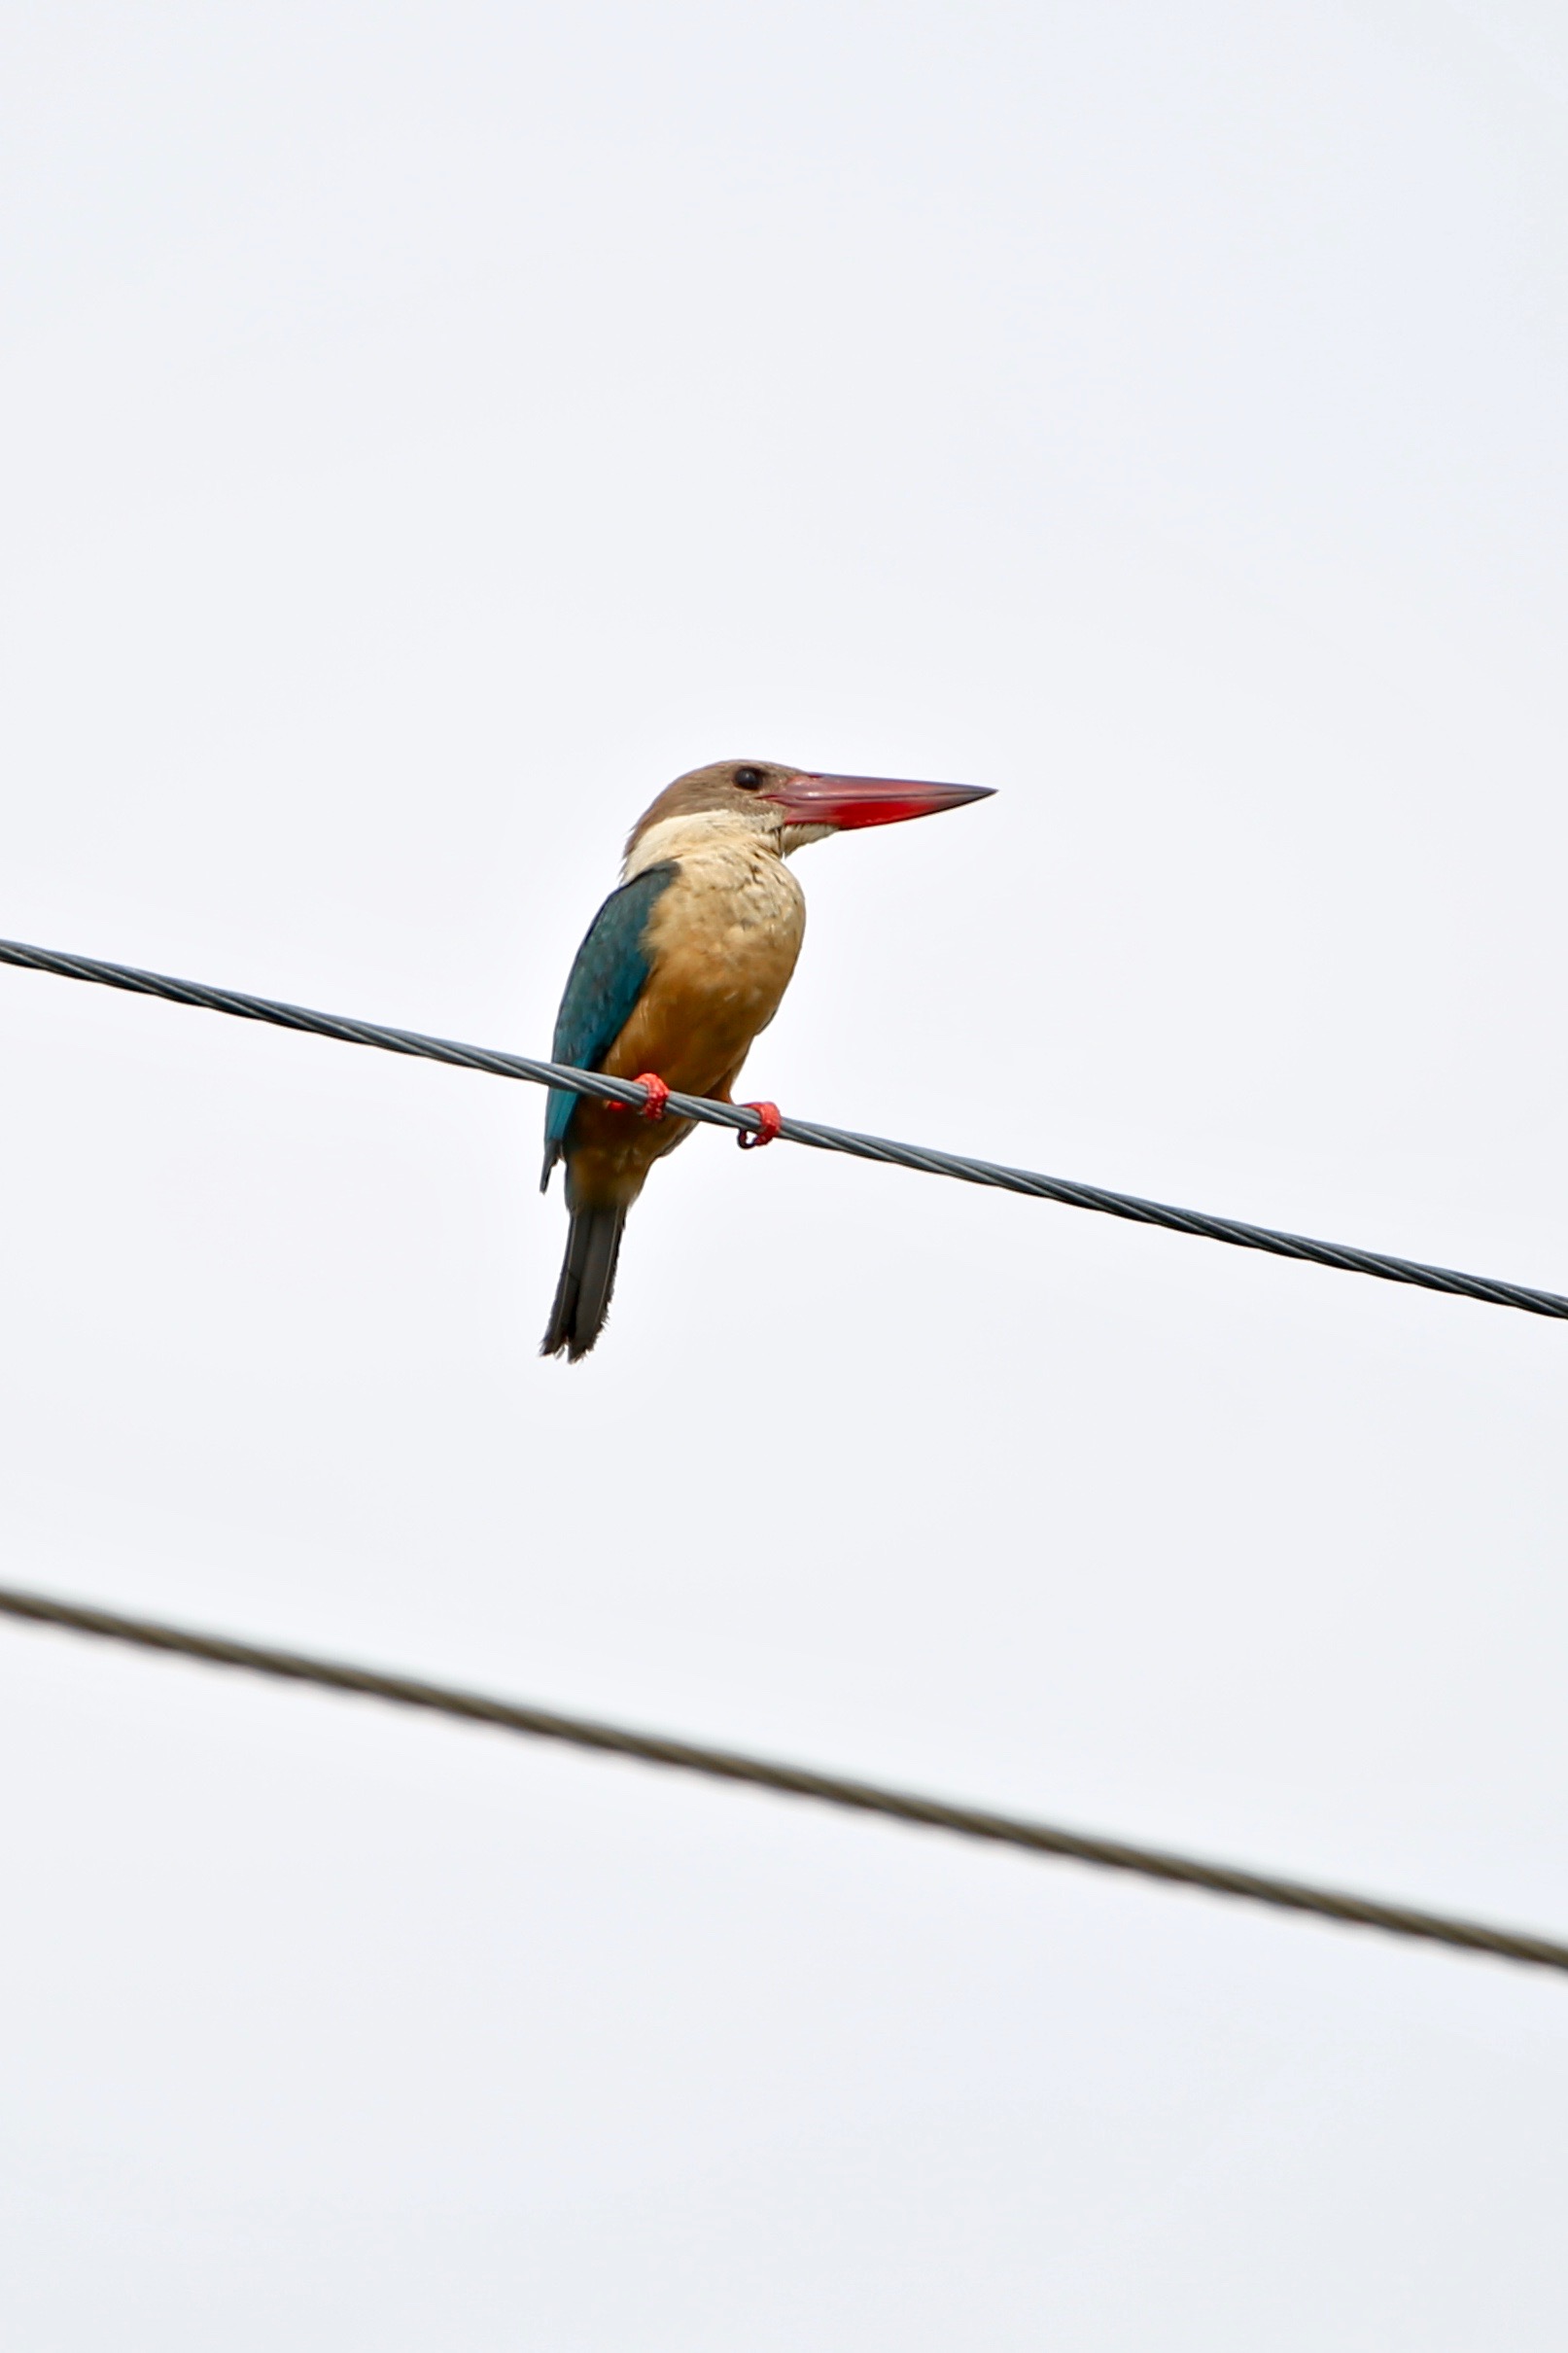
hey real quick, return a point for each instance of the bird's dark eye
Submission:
(749, 778)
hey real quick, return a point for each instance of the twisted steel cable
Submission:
(739, 1118)
(789, 1781)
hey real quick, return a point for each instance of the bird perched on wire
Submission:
(683, 965)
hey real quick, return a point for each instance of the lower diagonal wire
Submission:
(881, 1149)
(789, 1781)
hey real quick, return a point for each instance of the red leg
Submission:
(656, 1092)
(770, 1119)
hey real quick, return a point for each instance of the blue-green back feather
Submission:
(606, 981)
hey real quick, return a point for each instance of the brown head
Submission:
(798, 805)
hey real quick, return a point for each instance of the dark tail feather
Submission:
(587, 1279)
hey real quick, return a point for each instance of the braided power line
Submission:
(790, 1780)
(742, 1118)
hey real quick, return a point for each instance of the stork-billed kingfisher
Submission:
(683, 965)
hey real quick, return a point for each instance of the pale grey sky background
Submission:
(425, 430)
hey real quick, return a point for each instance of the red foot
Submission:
(656, 1092)
(769, 1120)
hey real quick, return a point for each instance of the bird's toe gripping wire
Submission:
(657, 1095)
(769, 1120)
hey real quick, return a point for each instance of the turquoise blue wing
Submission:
(606, 981)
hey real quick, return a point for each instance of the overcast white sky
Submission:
(425, 430)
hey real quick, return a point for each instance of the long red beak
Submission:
(852, 801)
